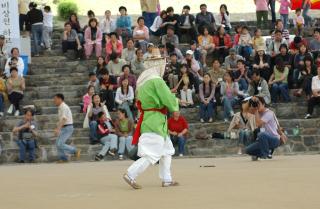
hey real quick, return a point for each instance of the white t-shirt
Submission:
(64, 112)
(47, 19)
(20, 67)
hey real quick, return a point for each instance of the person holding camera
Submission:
(259, 86)
(27, 131)
(14, 61)
(268, 137)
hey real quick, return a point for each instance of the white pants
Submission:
(153, 148)
(186, 96)
(47, 34)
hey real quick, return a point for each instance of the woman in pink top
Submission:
(93, 38)
(141, 35)
(284, 11)
(87, 99)
(262, 13)
(113, 45)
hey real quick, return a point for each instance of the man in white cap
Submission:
(151, 135)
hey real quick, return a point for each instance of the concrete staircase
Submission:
(54, 73)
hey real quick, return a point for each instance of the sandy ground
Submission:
(235, 183)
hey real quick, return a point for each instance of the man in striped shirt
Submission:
(279, 26)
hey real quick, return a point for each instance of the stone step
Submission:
(49, 102)
(58, 70)
(47, 92)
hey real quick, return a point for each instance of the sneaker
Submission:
(111, 153)
(231, 113)
(78, 154)
(239, 152)
(98, 157)
(226, 120)
(10, 110)
(210, 120)
(308, 116)
(254, 158)
(1, 114)
(201, 120)
(17, 113)
(131, 182)
(170, 184)
(120, 157)
(180, 155)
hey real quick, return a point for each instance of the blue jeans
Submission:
(93, 125)
(149, 18)
(1, 103)
(284, 18)
(282, 89)
(272, 4)
(228, 104)
(206, 111)
(245, 137)
(245, 51)
(37, 31)
(261, 148)
(307, 18)
(181, 141)
(125, 142)
(24, 146)
(110, 142)
(62, 147)
(243, 85)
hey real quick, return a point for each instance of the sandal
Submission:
(131, 182)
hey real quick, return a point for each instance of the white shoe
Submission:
(17, 113)
(231, 113)
(180, 155)
(1, 114)
(201, 120)
(120, 157)
(226, 120)
(10, 110)
(307, 116)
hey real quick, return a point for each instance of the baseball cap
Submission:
(190, 52)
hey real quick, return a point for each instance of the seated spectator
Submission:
(129, 54)
(245, 43)
(158, 26)
(238, 30)
(296, 43)
(258, 41)
(280, 27)
(298, 62)
(124, 97)
(3, 53)
(267, 140)
(261, 63)
(315, 42)
(170, 37)
(26, 129)
(223, 43)
(108, 84)
(123, 24)
(279, 82)
(15, 86)
(298, 21)
(308, 71)
(3, 94)
(70, 40)
(172, 20)
(87, 98)
(113, 46)
(137, 64)
(229, 91)
(217, 74)
(178, 129)
(19, 64)
(172, 71)
(206, 45)
(126, 74)
(141, 34)
(274, 45)
(315, 97)
(259, 87)
(241, 76)
(185, 86)
(93, 38)
(90, 15)
(187, 23)
(207, 99)
(75, 25)
(115, 65)
(94, 81)
(149, 53)
(170, 48)
(124, 129)
(192, 64)
(244, 124)
(205, 18)
(101, 65)
(196, 51)
(223, 18)
(107, 24)
(106, 135)
(92, 116)
(284, 54)
(232, 60)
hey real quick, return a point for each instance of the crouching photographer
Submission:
(269, 135)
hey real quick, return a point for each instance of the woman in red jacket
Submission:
(178, 128)
(223, 43)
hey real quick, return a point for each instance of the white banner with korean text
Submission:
(9, 22)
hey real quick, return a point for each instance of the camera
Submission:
(253, 103)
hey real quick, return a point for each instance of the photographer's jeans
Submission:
(228, 104)
(65, 134)
(261, 148)
(181, 141)
(24, 146)
(245, 137)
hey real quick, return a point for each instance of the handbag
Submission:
(281, 132)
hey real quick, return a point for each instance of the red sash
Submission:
(137, 132)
